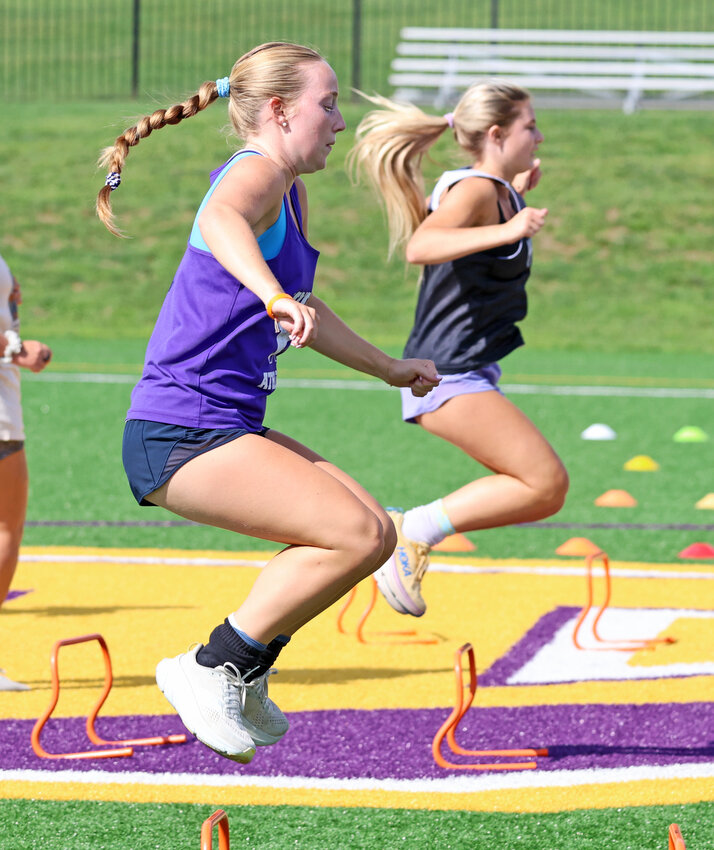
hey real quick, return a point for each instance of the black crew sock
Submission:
(269, 656)
(226, 645)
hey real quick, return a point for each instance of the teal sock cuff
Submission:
(442, 517)
(252, 642)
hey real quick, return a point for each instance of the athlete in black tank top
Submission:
(474, 244)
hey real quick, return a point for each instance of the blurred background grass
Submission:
(624, 262)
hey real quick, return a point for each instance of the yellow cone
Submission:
(707, 503)
(641, 463)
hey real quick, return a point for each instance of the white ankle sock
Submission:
(427, 523)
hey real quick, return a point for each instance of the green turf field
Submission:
(75, 431)
(618, 332)
(87, 826)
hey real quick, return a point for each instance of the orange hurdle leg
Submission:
(364, 616)
(676, 842)
(220, 819)
(461, 706)
(153, 740)
(120, 748)
(625, 645)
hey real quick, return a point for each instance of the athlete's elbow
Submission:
(414, 254)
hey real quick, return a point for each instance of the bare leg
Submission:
(13, 506)
(529, 481)
(274, 488)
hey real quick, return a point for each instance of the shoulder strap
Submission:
(449, 178)
(196, 239)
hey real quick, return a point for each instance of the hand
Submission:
(527, 180)
(16, 293)
(420, 375)
(34, 355)
(299, 320)
(526, 223)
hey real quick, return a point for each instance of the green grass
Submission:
(74, 448)
(623, 264)
(118, 826)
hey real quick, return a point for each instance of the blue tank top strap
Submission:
(270, 241)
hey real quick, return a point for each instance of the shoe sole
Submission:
(163, 673)
(390, 586)
(386, 591)
(260, 738)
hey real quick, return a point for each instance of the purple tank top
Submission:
(211, 361)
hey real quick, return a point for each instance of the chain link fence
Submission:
(90, 49)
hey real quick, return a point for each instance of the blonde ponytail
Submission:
(392, 141)
(390, 145)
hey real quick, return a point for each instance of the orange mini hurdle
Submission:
(218, 819)
(602, 644)
(120, 748)
(461, 706)
(409, 636)
(676, 842)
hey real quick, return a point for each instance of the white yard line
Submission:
(434, 567)
(338, 384)
(461, 784)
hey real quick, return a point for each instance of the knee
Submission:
(390, 539)
(551, 491)
(384, 542)
(10, 539)
(369, 542)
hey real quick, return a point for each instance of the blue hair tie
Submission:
(223, 86)
(113, 180)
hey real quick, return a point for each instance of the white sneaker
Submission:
(7, 684)
(399, 578)
(209, 701)
(265, 722)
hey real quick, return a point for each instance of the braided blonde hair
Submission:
(391, 143)
(268, 70)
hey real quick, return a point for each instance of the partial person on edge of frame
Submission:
(14, 483)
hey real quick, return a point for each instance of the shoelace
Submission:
(422, 550)
(260, 684)
(233, 687)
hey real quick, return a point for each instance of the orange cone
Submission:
(577, 546)
(454, 543)
(616, 499)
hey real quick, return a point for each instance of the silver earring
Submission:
(284, 123)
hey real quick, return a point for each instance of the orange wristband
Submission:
(269, 305)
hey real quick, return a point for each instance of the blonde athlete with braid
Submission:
(473, 239)
(195, 442)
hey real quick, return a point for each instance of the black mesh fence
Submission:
(84, 49)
